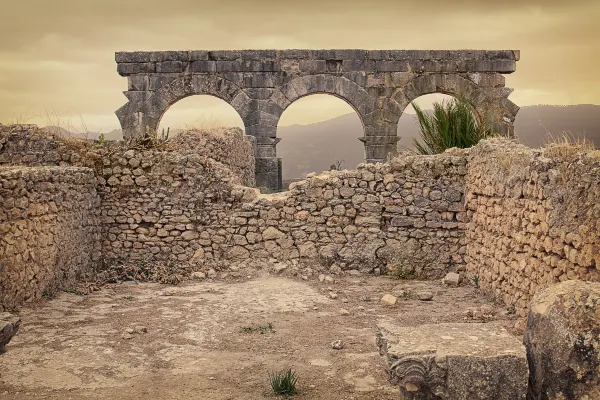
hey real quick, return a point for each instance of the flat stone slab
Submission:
(454, 361)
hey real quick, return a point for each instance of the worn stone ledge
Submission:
(306, 54)
(454, 361)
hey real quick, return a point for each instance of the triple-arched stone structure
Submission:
(261, 84)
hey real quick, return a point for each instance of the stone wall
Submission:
(26, 144)
(517, 219)
(534, 218)
(49, 230)
(179, 206)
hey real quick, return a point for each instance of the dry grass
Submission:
(566, 144)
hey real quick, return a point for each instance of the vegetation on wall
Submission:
(451, 124)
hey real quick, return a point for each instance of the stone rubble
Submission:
(389, 300)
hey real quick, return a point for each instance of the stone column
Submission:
(380, 148)
(268, 165)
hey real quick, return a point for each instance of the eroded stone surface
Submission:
(533, 218)
(563, 342)
(9, 325)
(454, 361)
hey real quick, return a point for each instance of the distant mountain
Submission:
(115, 134)
(314, 147)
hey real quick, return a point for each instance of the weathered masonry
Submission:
(261, 84)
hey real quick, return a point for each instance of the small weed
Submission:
(127, 298)
(475, 281)
(400, 271)
(266, 190)
(511, 310)
(74, 291)
(283, 383)
(262, 329)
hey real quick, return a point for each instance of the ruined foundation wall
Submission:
(179, 206)
(534, 218)
(28, 145)
(517, 219)
(49, 230)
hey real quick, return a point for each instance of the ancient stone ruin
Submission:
(510, 220)
(261, 84)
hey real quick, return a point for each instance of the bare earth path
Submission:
(76, 347)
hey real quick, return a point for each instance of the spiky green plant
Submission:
(452, 124)
(283, 383)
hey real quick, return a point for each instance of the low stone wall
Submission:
(180, 206)
(28, 145)
(49, 230)
(534, 218)
(517, 219)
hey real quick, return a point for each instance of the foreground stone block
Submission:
(563, 342)
(454, 361)
(452, 279)
(9, 325)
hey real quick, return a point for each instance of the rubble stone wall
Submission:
(49, 230)
(515, 218)
(179, 206)
(25, 144)
(534, 218)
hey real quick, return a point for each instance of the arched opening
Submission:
(318, 131)
(408, 125)
(199, 112)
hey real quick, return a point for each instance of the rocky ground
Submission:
(211, 339)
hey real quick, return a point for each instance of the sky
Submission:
(57, 57)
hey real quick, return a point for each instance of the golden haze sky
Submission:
(57, 57)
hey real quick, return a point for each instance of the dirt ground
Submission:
(195, 347)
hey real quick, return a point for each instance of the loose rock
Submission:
(425, 296)
(389, 300)
(337, 345)
(452, 279)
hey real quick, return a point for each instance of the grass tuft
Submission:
(283, 383)
(566, 144)
(262, 329)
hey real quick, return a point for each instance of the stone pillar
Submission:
(380, 148)
(268, 166)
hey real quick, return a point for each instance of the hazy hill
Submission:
(314, 147)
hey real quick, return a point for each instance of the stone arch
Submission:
(326, 147)
(338, 86)
(490, 103)
(148, 108)
(365, 105)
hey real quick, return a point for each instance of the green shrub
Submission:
(452, 124)
(283, 383)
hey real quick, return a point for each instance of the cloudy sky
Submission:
(57, 57)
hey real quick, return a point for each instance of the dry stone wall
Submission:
(181, 207)
(49, 230)
(515, 218)
(534, 218)
(27, 145)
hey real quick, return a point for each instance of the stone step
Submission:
(455, 361)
